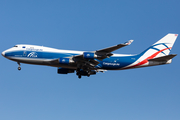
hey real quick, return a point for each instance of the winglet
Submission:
(128, 42)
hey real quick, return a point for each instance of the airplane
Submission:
(87, 63)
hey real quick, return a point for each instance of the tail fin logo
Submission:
(161, 48)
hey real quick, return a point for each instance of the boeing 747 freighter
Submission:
(87, 63)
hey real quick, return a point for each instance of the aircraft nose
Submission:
(3, 53)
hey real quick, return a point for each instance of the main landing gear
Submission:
(80, 73)
(19, 68)
(79, 76)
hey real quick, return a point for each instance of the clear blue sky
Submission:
(39, 93)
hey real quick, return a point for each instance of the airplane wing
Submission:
(113, 48)
(88, 60)
(106, 52)
(88, 63)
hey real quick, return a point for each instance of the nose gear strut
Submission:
(19, 68)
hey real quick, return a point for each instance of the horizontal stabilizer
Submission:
(163, 58)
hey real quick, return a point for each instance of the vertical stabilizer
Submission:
(158, 51)
(161, 47)
(166, 43)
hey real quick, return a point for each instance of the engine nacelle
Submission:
(89, 55)
(65, 60)
(64, 71)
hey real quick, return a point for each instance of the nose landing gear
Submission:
(19, 68)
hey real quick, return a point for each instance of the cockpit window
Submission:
(15, 46)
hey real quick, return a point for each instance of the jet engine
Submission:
(89, 55)
(66, 60)
(64, 71)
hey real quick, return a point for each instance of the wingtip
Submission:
(128, 42)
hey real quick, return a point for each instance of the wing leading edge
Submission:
(106, 52)
(113, 48)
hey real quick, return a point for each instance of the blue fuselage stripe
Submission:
(114, 62)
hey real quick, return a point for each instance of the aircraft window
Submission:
(15, 46)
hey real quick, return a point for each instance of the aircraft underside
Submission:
(81, 69)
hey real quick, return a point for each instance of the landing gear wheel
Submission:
(19, 68)
(79, 76)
